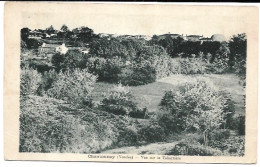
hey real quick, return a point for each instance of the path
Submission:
(160, 148)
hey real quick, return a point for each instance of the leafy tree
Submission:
(30, 81)
(64, 28)
(50, 30)
(65, 32)
(238, 53)
(85, 34)
(25, 33)
(120, 101)
(73, 86)
(198, 106)
(72, 59)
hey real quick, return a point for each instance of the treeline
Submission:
(137, 62)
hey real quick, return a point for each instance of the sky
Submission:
(145, 20)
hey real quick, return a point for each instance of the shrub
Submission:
(40, 66)
(48, 79)
(238, 123)
(120, 101)
(140, 75)
(233, 145)
(57, 61)
(107, 70)
(152, 132)
(168, 122)
(241, 125)
(128, 136)
(29, 81)
(192, 65)
(33, 43)
(51, 125)
(219, 134)
(193, 138)
(197, 106)
(220, 62)
(183, 148)
(73, 86)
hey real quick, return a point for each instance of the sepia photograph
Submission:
(132, 82)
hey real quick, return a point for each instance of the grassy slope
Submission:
(150, 95)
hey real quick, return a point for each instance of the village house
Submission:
(192, 37)
(205, 39)
(35, 34)
(48, 48)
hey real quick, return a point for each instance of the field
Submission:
(150, 95)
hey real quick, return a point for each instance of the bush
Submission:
(40, 66)
(29, 81)
(219, 134)
(139, 75)
(183, 148)
(238, 123)
(51, 125)
(193, 138)
(232, 145)
(48, 79)
(120, 101)
(197, 106)
(73, 86)
(33, 43)
(107, 70)
(193, 65)
(168, 122)
(241, 125)
(127, 137)
(235, 145)
(152, 132)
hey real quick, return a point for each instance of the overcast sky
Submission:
(145, 20)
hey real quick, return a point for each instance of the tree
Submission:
(85, 34)
(50, 30)
(71, 60)
(64, 28)
(198, 106)
(238, 47)
(64, 33)
(25, 33)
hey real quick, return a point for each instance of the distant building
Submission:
(46, 48)
(62, 49)
(218, 37)
(35, 34)
(193, 37)
(173, 36)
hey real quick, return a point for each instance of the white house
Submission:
(62, 49)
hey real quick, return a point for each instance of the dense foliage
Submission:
(120, 101)
(197, 106)
(71, 60)
(29, 81)
(73, 86)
